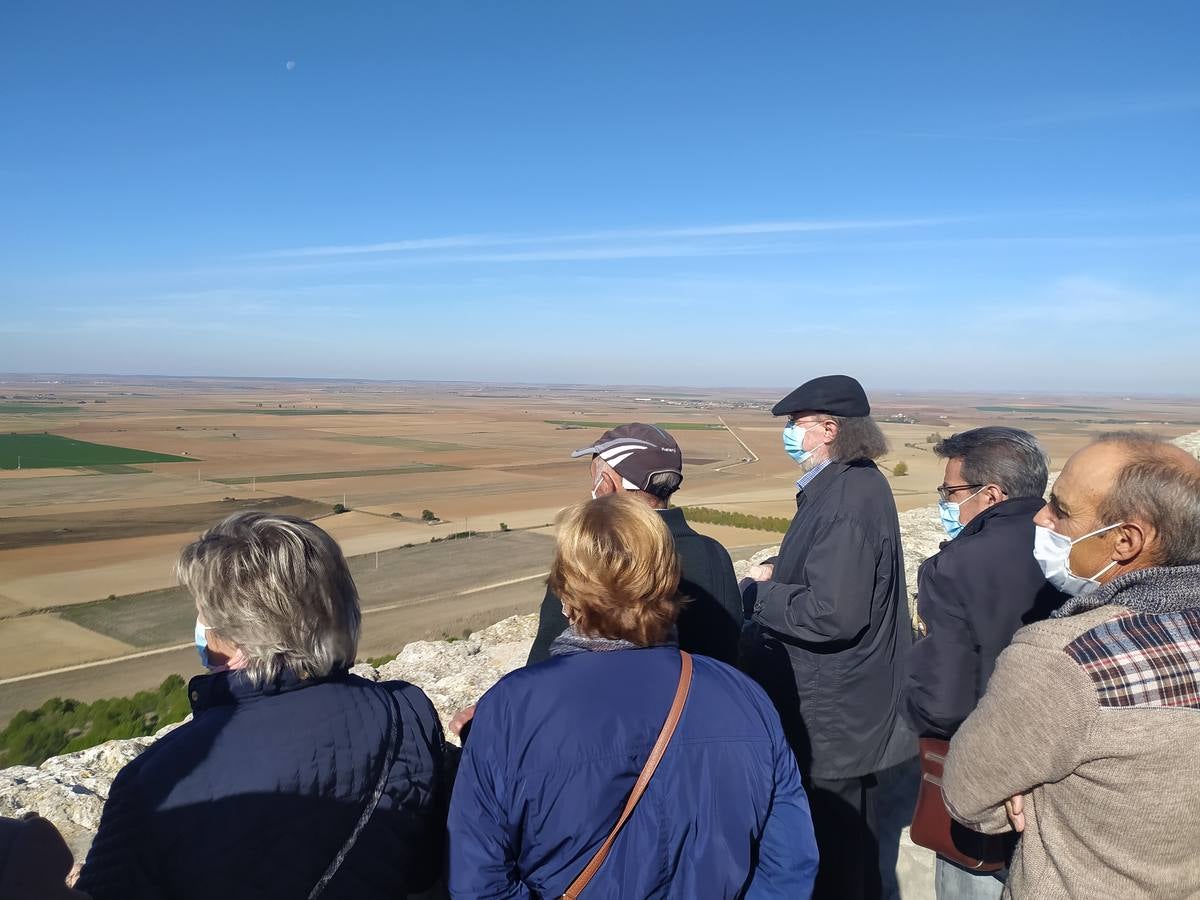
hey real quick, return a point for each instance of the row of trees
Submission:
(736, 519)
(64, 726)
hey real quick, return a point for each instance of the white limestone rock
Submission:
(455, 674)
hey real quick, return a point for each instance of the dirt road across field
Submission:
(436, 591)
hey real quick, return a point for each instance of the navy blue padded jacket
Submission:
(256, 795)
(555, 749)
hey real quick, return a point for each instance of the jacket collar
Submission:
(1157, 590)
(230, 688)
(675, 521)
(824, 480)
(1015, 507)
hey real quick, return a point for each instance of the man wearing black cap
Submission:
(831, 628)
(646, 460)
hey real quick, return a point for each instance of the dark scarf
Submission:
(571, 641)
(1156, 590)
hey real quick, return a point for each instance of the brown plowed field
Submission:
(71, 537)
(79, 527)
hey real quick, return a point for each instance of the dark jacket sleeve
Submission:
(730, 598)
(711, 622)
(117, 864)
(832, 597)
(942, 686)
(551, 623)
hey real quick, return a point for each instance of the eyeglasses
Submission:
(945, 491)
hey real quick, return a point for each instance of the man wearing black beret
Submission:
(831, 629)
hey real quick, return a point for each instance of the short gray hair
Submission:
(278, 588)
(663, 484)
(1010, 458)
(1161, 487)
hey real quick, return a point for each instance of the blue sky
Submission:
(928, 196)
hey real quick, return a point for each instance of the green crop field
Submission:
(292, 411)
(352, 473)
(49, 451)
(669, 426)
(31, 409)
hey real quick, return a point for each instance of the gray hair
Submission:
(1010, 458)
(278, 588)
(663, 484)
(858, 438)
(1161, 487)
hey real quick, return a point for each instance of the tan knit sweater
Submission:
(1095, 718)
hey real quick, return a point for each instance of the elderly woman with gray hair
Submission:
(294, 779)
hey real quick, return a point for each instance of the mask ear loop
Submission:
(1084, 538)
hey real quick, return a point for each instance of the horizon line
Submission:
(586, 384)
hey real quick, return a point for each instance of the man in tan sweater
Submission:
(1088, 738)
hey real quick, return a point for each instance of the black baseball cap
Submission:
(638, 452)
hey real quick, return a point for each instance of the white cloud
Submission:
(737, 229)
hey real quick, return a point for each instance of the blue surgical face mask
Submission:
(949, 513)
(202, 643)
(793, 441)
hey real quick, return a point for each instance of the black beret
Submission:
(837, 395)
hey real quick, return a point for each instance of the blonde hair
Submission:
(278, 588)
(615, 566)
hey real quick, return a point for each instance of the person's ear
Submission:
(830, 431)
(992, 495)
(605, 484)
(1131, 541)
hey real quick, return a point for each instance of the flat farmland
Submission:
(86, 525)
(422, 592)
(51, 451)
(477, 457)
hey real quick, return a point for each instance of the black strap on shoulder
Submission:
(385, 768)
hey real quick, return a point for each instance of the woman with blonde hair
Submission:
(621, 767)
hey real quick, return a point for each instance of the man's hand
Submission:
(761, 572)
(1015, 807)
(462, 718)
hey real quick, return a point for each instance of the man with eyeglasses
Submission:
(975, 593)
(1087, 741)
(829, 634)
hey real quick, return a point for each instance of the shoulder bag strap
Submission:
(385, 769)
(639, 788)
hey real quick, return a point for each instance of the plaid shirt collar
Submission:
(806, 479)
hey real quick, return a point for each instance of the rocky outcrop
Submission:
(70, 790)
(454, 674)
(1190, 443)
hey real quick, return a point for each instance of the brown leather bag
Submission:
(639, 787)
(934, 828)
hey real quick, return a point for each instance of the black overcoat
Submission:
(833, 629)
